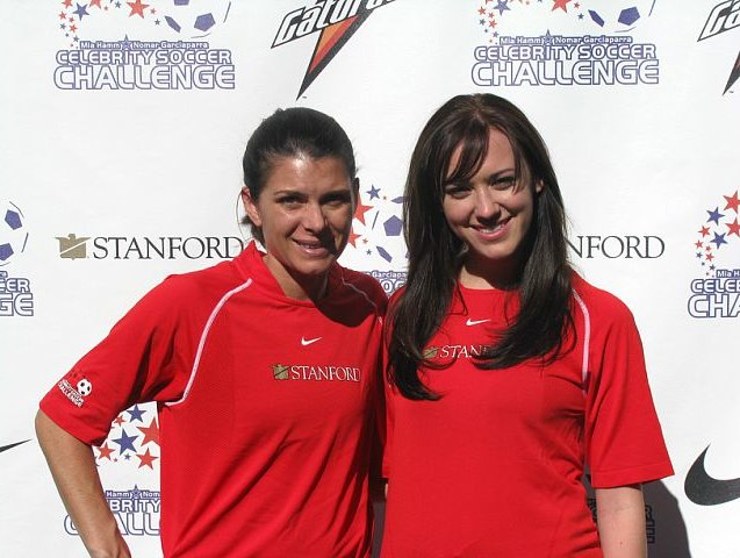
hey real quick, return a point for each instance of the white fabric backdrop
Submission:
(104, 138)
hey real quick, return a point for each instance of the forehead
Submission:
(470, 155)
(307, 173)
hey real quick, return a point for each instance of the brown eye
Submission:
(456, 191)
(504, 182)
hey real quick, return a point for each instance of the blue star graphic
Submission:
(374, 192)
(125, 441)
(501, 7)
(81, 11)
(125, 43)
(719, 239)
(714, 215)
(698, 254)
(136, 413)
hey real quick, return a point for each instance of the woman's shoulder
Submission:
(363, 286)
(600, 305)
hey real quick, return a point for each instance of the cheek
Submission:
(454, 214)
(341, 219)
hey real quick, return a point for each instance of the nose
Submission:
(486, 204)
(314, 219)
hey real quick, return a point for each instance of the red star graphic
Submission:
(361, 210)
(704, 231)
(62, 15)
(481, 10)
(492, 23)
(67, 3)
(352, 237)
(73, 28)
(698, 244)
(119, 420)
(734, 228)
(151, 432)
(709, 248)
(105, 451)
(732, 202)
(95, 3)
(137, 8)
(146, 459)
(709, 257)
(560, 4)
(153, 11)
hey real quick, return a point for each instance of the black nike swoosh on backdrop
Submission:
(11, 446)
(704, 490)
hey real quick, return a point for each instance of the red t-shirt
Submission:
(266, 408)
(494, 467)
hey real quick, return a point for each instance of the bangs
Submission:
(473, 144)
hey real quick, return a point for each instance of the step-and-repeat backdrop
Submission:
(123, 124)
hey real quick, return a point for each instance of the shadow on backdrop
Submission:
(670, 538)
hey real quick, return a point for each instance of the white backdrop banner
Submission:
(123, 125)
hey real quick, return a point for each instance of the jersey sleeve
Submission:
(147, 356)
(624, 442)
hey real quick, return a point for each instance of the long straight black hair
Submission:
(436, 253)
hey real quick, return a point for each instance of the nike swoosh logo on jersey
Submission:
(476, 322)
(707, 491)
(306, 342)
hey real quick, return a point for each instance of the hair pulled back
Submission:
(289, 133)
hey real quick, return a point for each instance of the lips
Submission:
(312, 247)
(493, 232)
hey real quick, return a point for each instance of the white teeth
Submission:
(489, 230)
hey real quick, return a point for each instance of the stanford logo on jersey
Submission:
(316, 373)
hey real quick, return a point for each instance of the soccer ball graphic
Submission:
(196, 18)
(84, 387)
(618, 17)
(13, 233)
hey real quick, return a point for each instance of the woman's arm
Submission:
(621, 521)
(72, 465)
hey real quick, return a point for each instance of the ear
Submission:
(355, 191)
(539, 186)
(250, 206)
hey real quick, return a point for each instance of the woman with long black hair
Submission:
(508, 373)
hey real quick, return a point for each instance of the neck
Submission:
(504, 277)
(298, 287)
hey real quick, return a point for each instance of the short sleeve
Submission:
(624, 442)
(147, 356)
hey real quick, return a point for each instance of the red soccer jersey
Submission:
(266, 408)
(494, 467)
